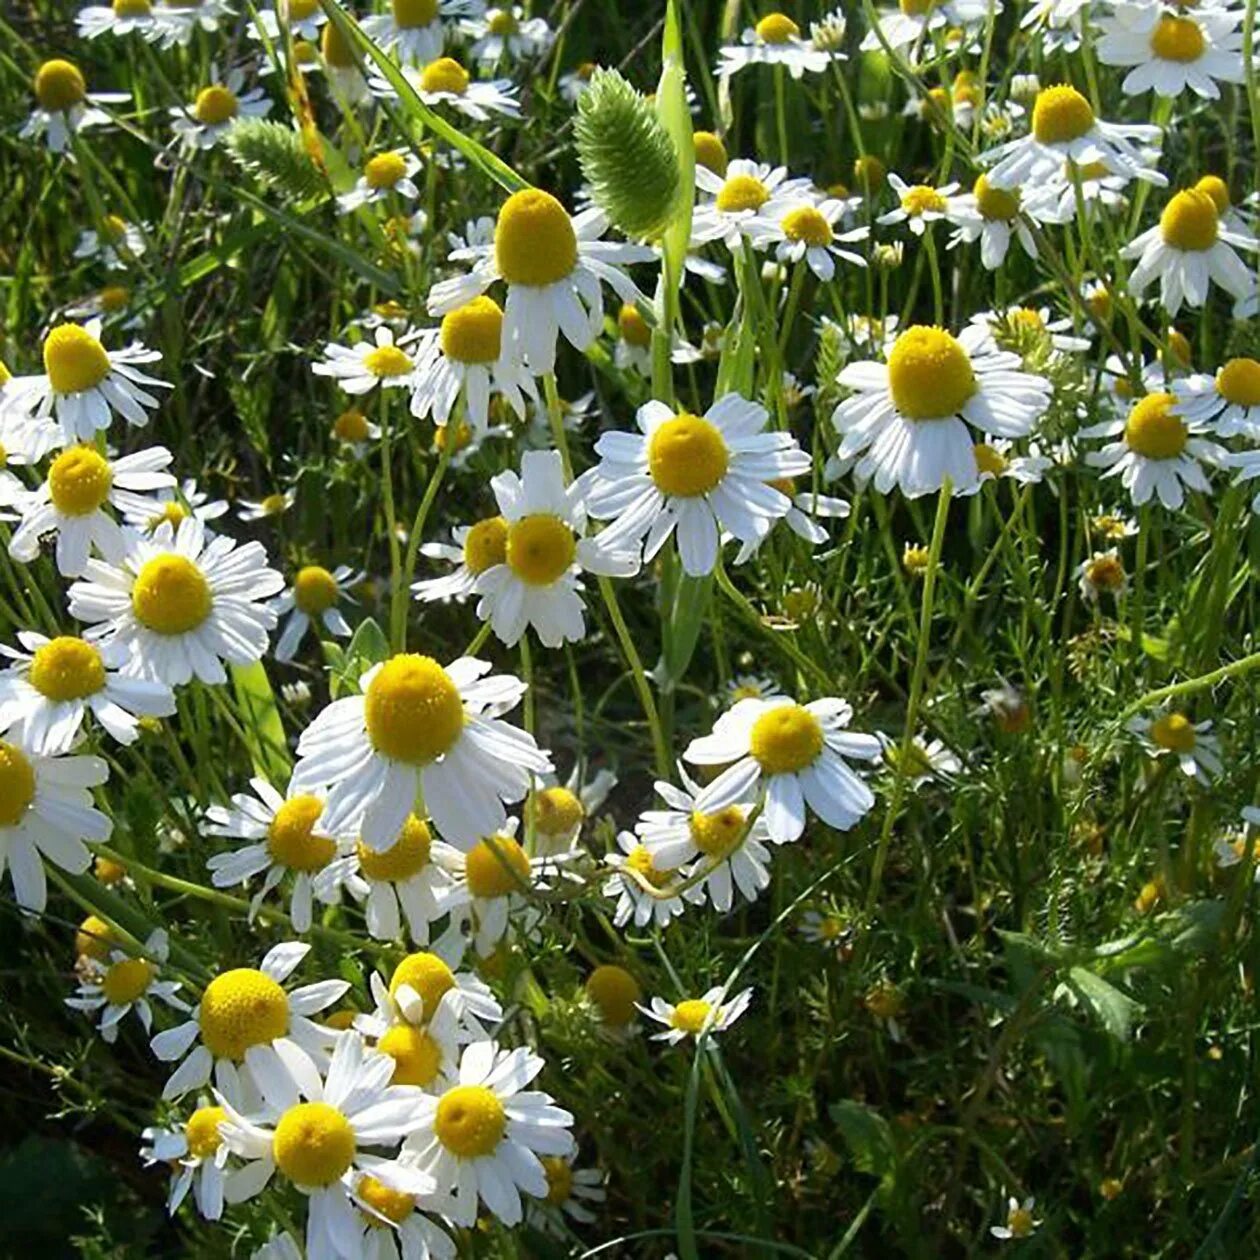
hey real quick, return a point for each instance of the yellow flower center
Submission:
(171, 595)
(456, 432)
(387, 361)
(113, 228)
(557, 811)
(427, 974)
(496, 867)
(614, 991)
(916, 8)
(831, 928)
(473, 333)
(989, 459)
(485, 545)
(687, 456)
(921, 199)
(1177, 353)
(639, 860)
(407, 856)
(393, 1205)
(108, 872)
(313, 1144)
(710, 152)
(337, 53)
(716, 835)
(1189, 221)
(1020, 1222)
(540, 549)
(95, 936)
(300, 10)
(315, 590)
(239, 1009)
(632, 327)
(1217, 189)
(127, 980)
(1060, 114)
(79, 481)
(74, 359)
(808, 225)
(786, 739)
(534, 242)
(215, 105)
(1239, 382)
(1177, 39)
(67, 668)
(290, 841)
(59, 85)
(742, 192)
(351, 426)
(1153, 430)
(501, 22)
(417, 1057)
(691, 1016)
(869, 173)
(1106, 573)
(995, 204)
(470, 1121)
(132, 8)
(201, 1131)
(444, 75)
(413, 710)
(273, 505)
(559, 1179)
(385, 170)
(1175, 732)
(412, 13)
(929, 374)
(777, 28)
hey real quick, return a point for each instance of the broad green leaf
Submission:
(1115, 1009)
(868, 1137)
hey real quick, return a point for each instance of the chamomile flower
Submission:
(116, 242)
(828, 928)
(558, 810)
(419, 986)
(505, 32)
(552, 265)
(776, 41)
(353, 429)
(1229, 400)
(1187, 250)
(384, 175)
(570, 1192)
(217, 108)
(282, 835)
(1172, 734)
(612, 994)
(52, 684)
(360, 368)
(994, 217)
(196, 1156)
(250, 1032)
(341, 66)
(696, 1017)
(802, 228)
(473, 549)
(1155, 451)
(1020, 1222)
(797, 754)
(391, 1224)
(926, 759)
(802, 517)
(303, 18)
(267, 508)
(482, 1137)
(84, 384)
(693, 477)
(908, 418)
(1231, 849)
(1172, 52)
(422, 1039)
(633, 902)
(412, 29)
(910, 24)
(127, 983)
(46, 814)
(418, 726)
(1058, 26)
(313, 597)
(729, 205)
(1015, 326)
(752, 687)
(64, 107)
(178, 20)
(70, 504)
(918, 205)
(1102, 574)
(122, 17)
(574, 82)
(177, 606)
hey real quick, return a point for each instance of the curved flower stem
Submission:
(1244, 665)
(556, 416)
(402, 589)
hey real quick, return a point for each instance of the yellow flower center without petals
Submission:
(687, 456)
(291, 840)
(989, 459)
(1175, 732)
(807, 224)
(79, 481)
(385, 170)
(1153, 430)
(534, 241)
(239, 1009)
(315, 590)
(777, 28)
(557, 811)
(995, 204)
(413, 709)
(710, 152)
(201, 1131)
(1217, 189)
(639, 860)
(417, 1056)
(929, 374)
(351, 426)
(74, 359)
(1020, 1222)
(127, 980)
(540, 549)
(920, 199)
(59, 85)
(786, 739)
(614, 991)
(501, 22)
(1106, 573)
(427, 974)
(716, 835)
(473, 333)
(300, 10)
(132, 8)
(742, 192)
(916, 8)
(387, 361)
(337, 53)
(409, 14)
(485, 545)
(470, 1121)
(1177, 39)
(444, 75)
(496, 867)
(407, 856)
(1189, 221)
(171, 595)
(1238, 382)
(313, 1144)
(113, 227)
(632, 327)
(393, 1205)
(94, 937)
(1061, 114)
(66, 668)
(171, 514)
(559, 1179)
(691, 1016)
(215, 105)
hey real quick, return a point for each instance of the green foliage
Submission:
(276, 156)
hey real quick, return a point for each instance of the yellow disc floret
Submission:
(171, 595)
(557, 811)
(540, 548)
(742, 193)
(74, 359)
(485, 544)
(351, 426)
(921, 199)
(444, 75)
(394, 1205)
(785, 739)
(1154, 430)
(239, 1009)
(313, 1144)
(470, 1121)
(989, 459)
(291, 838)
(1189, 221)
(409, 14)
(473, 333)
(710, 152)
(777, 28)
(201, 1131)
(95, 937)
(132, 8)
(614, 991)
(1174, 732)
(1217, 189)
(17, 784)
(1061, 114)
(639, 860)
(1238, 382)
(496, 867)
(387, 361)
(67, 668)
(691, 1016)
(1105, 572)
(385, 170)
(337, 53)
(715, 835)
(127, 980)
(215, 105)
(427, 974)
(995, 204)
(559, 1179)
(929, 374)
(417, 1056)
(534, 241)
(632, 327)
(315, 590)
(59, 85)
(79, 481)
(687, 456)
(501, 22)
(808, 225)
(413, 709)
(407, 856)
(1178, 39)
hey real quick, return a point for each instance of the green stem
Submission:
(402, 590)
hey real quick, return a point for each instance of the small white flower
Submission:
(116, 242)
(505, 32)
(1229, 400)
(696, 1017)
(360, 368)
(776, 41)
(313, 597)
(1172, 734)
(218, 107)
(633, 902)
(1019, 1220)
(64, 107)
(385, 174)
(126, 983)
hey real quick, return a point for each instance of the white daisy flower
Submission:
(570, 1192)
(116, 242)
(218, 107)
(173, 505)
(51, 685)
(46, 813)
(634, 904)
(1058, 26)
(558, 810)
(178, 20)
(802, 517)
(303, 18)
(776, 41)
(353, 429)
(250, 1032)
(392, 1225)
(416, 726)
(1019, 1220)
(1056, 201)
(482, 1137)
(692, 476)
(473, 549)
(574, 82)
(796, 754)
(1156, 451)
(1231, 848)
(926, 759)
(917, 204)
(122, 17)
(633, 348)
(752, 687)
(1172, 734)
(910, 24)
(84, 384)
(833, 930)
(1229, 400)
(360, 368)
(696, 1017)
(800, 227)
(446, 82)
(537, 584)
(313, 597)
(266, 508)
(412, 29)
(1102, 574)
(177, 606)
(384, 174)
(1008, 327)
(552, 265)
(424, 1042)
(70, 504)
(729, 205)
(505, 32)
(994, 217)
(341, 66)
(611, 995)
(1172, 52)
(909, 418)
(127, 983)
(423, 984)
(196, 1156)
(64, 107)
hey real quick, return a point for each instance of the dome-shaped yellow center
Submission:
(413, 709)
(1153, 430)
(501, 22)
(1238, 382)
(74, 359)
(107, 871)
(470, 1121)
(869, 173)
(427, 974)
(94, 937)
(409, 14)
(485, 544)
(1019, 1221)
(916, 8)
(1061, 114)
(687, 456)
(995, 204)
(922, 199)
(79, 481)
(614, 991)
(444, 75)
(290, 838)
(172, 514)
(710, 152)
(777, 28)
(715, 835)
(632, 327)
(59, 85)
(113, 227)
(407, 856)
(929, 374)
(387, 361)
(385, 170)
(691, 1016)
(132, 8)
(127, 980)
(300, 10)
(989, 459)
(351, 426)
(393, 1205)
(215, 105)
(315, 590)
(557, 811)
(540, 549)
(496, 867)
(1217, 189)
(1189, 221)
(1105, 573)
(313, 1144)
(239, 1009)
(337, 53)
(742, 192)
(786, 739)
(639, 860)
(201, 1131)
(171, 595)
(1175, 732)
(534, 242)
(417, 1056)
(1177, 39)
(473, 333)
(67, 668)
(807, 224)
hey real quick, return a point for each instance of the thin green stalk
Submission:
(401, 594)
